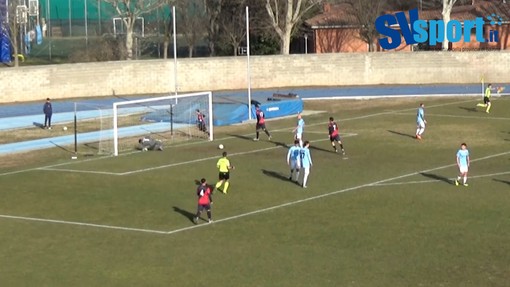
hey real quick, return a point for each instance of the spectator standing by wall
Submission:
(48, 111)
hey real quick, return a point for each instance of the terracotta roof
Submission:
(341, 15)
(338, 15)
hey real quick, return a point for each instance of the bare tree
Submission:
(129, 11)
(447, 10)
(366, 12)
(191, 17)
(213, 10)
(285, 15)
(233, 24)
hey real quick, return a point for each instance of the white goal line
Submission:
(177, 163)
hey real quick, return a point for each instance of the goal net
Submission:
(168, 119)
(92, 129)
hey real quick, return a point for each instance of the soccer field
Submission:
(387, 214)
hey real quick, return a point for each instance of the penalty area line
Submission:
(81, 224)
(177, 163)
(439, 180)
(216, 157)
(376, 183)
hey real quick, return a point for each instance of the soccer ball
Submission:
(64, 128)
(220, 146)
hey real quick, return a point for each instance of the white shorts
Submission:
(463, 168)
(295, 164)
(299, 136)
(421, 124)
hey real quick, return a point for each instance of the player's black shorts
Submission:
(486, 100)
(334, 138)
(224, 175)
(202, 207)
(261, 127)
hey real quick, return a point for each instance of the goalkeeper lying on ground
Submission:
(147, 143)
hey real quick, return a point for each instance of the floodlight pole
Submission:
(248, 59)
(175, 50)
(75, 124)
(86, 25)
(99, 16)
(70, 26)
(49, 26)
(483, 87)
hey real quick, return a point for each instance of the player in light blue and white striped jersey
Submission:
(294, 160)
(420, 121)
(306, 161)
(299, 129)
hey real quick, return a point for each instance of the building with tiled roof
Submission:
(336, 29)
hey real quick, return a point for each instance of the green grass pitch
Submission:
(387, 215)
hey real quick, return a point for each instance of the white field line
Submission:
(445, 166)
(389, 96)
(232, 137)
(78, 171)
(376, 183)
(81, 224)
(178, 163)
(438, 180)
(462, 117)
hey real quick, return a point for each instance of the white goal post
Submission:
(169, 114)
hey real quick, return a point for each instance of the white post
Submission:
(248, 59)
(175, 50)
(306, 43)
(70, 26)
(99, 16)
(115, 131)
(211, 117)
(86, 25)
(483, 87)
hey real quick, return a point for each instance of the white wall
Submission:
(229, 73)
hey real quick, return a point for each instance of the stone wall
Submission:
(230, 73)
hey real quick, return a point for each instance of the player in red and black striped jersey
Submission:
(204, 200)
(261, 123)
(334, 135)
(201, 121)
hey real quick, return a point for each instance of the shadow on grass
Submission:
(281, 144)
(321, 149)
(242, 137)
(502, 181)
(277, 175)
(401, 134)
(469, 109)
(436, 177)
(185, 213)
(39, 125)
(62, 148)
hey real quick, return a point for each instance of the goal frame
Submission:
(124, 103)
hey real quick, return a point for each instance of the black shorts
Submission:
(202, 207)
(486, 100)
(224, 175)
(335, 138)
(260, 127)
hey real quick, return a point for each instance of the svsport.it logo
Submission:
(432, 32)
